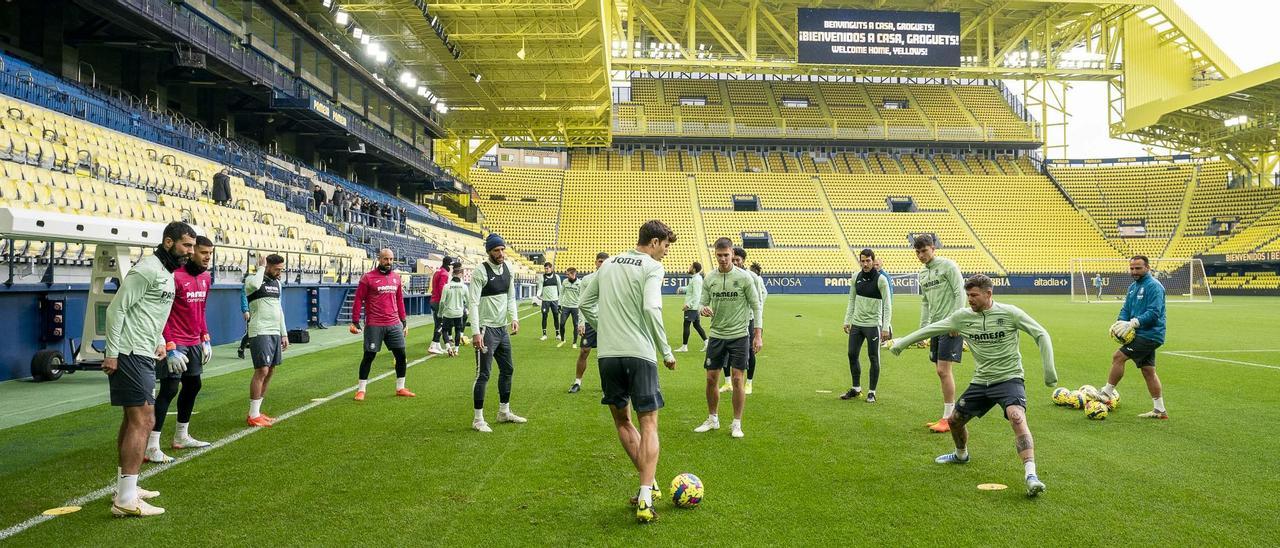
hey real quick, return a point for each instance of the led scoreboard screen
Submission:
(875, 37)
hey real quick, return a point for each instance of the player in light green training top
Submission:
(628, 290)
(867, 319)
(693, 301)
(586, 331)
(549, 294)
(570, 295)
(453, 306)
(268, 337)
(941, 293)
(729, 298)
(992, 331)
(134, 341)
(493, 309)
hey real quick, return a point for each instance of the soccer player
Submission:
(628, 290)
(493, 309)
(550, 297)
(992, 330)
(1097, 282)
(888, 339)
(134, 342)
(452, 305)
(380, 295)
(866, 319)
(941, 293)
(244, 310)
(729, 298)
(586, 332)
(438, 281)
(739, 261)
(572, 292)
(1142, 314)
(187, 348)
(692, 299)
(268, 337)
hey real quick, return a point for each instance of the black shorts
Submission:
(134, 382)
(1141, 351)
(633, 380)
(194, 368)
(376, 335)
(978, 399)
(737, 352)
(946, 348)
(589, 337)
(266, 351)
(691, 315)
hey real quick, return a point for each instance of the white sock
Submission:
(480, 414)
(254, 407)
(1159, 403)
(714, 418)
(577, 380)
(360, 386)
(153, 440)
(962, 452)
(871, 392)
(1108, 389)
(399, 383)
(947, 409)
(857, 389)
(737, 423)
(182, 430)
(1030, 467)
(646, 494)
(126, 488)
(504, 408)
(748, 381)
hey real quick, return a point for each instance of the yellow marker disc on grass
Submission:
(992, 486)
(61, 510)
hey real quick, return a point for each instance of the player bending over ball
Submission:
(992, 331)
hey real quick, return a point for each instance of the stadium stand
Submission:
(803, 110)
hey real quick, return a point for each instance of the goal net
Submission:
(1107, 280)
(906, 284)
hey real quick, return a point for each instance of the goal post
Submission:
(1107, 280)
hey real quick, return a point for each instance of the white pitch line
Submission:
(1220, 351)
(1238, 362)
(152, 471)
(149, 472)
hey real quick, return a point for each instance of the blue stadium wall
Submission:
(226, 322)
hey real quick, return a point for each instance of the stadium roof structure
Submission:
(538, 73)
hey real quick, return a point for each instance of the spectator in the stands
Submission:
(222, 188)
(320, 198)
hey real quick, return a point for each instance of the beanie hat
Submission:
(494, 240)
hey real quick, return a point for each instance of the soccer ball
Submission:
(1061, 396)
(686, 490)
(1096, 410)
(1076, 400)
(1091, 393)
(1128, 338)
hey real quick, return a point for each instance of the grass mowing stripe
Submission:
(149, 472)
(1238, 362)
(152, 471)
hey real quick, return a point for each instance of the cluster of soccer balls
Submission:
(1095, 405)
(686, 490)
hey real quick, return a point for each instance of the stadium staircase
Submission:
(348, 301)
(973, 235)
(700, 231)
(1183, 211)
(849, 254)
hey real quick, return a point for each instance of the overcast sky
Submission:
(1244, 29)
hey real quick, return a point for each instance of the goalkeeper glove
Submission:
(1123, 328)
(176, 360)
(206, 351)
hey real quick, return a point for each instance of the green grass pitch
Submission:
(811, 470)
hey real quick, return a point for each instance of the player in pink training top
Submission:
(187, 348)
(381, 296)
